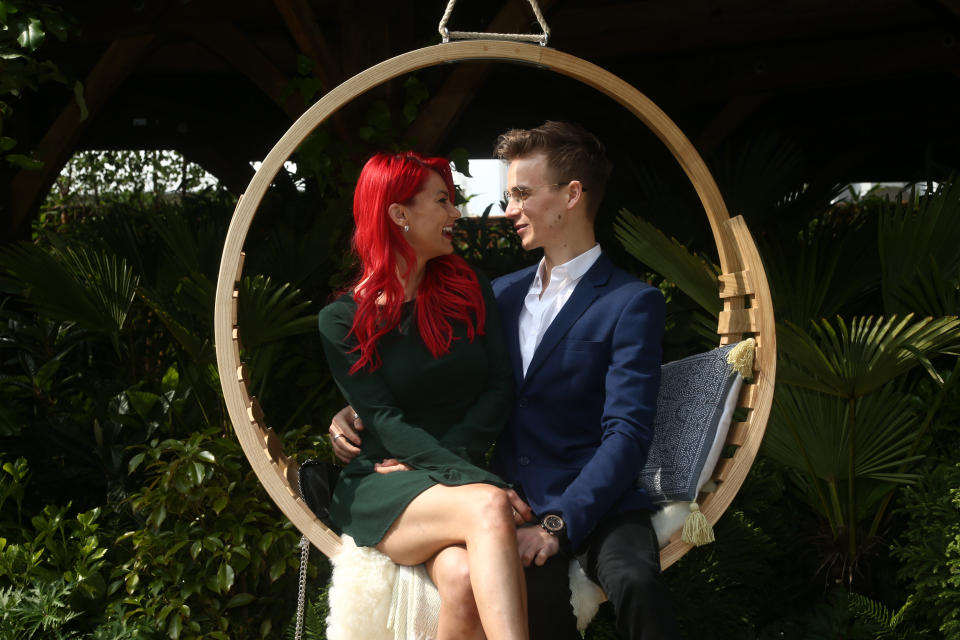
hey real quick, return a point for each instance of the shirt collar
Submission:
(573, 269)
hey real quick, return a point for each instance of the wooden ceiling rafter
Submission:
(29, 187)
(306, 33)
(227, 41)
(953, 6)
(733, 114)
(709, 63)
(453, 97)
(804, 66)
(694, 26)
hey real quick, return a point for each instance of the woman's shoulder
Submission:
(336, 315)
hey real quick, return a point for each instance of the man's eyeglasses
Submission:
(520, 196)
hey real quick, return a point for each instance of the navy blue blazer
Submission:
(582, 422)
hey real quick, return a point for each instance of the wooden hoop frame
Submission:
(747, 308)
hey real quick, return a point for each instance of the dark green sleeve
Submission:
(487, 417)
(369, 395)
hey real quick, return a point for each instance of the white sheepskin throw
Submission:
(371, 598)
(585, 596)
(360, 593)
(668, 520)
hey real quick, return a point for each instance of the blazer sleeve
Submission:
(480, 426)
(632, 383)
(370, 396)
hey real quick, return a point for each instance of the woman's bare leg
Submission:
(459, 617)
(478, 516)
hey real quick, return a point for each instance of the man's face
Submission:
(539, 214)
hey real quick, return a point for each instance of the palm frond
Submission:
(887, 426)
(91, 288)
(913, 233)
(693, 275)
(932, 291)
(815, 272)
(192, 245)
(197, 345)
(811, 432)
(808, 432)
(756, 173)
(851, 361)
(270, 312)
(108, 280)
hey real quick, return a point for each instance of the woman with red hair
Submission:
(416, 347)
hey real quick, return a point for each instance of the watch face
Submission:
(553, 523)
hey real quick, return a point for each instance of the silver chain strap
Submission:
(479, 35)
(302, 594)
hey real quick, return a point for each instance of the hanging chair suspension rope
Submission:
(541, 39)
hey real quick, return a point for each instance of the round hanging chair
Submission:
(747, 309)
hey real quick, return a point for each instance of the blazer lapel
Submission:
(587, 290)
(511, 302)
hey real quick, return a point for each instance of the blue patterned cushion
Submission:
(690, 412)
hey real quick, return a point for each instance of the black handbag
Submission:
(315, 480)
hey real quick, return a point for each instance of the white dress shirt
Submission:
(541, 306)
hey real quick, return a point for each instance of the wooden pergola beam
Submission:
(797, 67)
(731, 116)
(449, 102)
(839, 62)
(953, 6)
(303, 27)
(229, 43)
(116, 64)
(306, 33)
(694, 25)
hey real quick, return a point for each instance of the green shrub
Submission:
(929, 551)
(213, 557)
(52, 570)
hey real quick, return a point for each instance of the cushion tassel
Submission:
(697, 530)
(740, 357)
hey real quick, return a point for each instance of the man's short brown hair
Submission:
(572, 152)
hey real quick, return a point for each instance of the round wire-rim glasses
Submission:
(520, 196)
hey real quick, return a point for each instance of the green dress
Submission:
(437, 415)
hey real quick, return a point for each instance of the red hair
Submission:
(449, 291)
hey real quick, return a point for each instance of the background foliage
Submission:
(127, 509)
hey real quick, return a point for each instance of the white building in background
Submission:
(486, 185)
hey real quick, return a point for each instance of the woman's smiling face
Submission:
(431, 216)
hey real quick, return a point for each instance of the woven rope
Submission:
(482, 35)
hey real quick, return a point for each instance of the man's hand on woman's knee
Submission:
(522, 513)
(536, 545)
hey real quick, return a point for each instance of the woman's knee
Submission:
(451, 574)
(491, 509)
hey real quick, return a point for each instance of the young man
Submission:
(584, 340)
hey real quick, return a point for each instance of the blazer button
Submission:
(524, 461)
(522, 402)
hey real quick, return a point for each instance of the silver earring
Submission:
(406, 228)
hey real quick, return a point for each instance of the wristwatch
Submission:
(553, 524)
